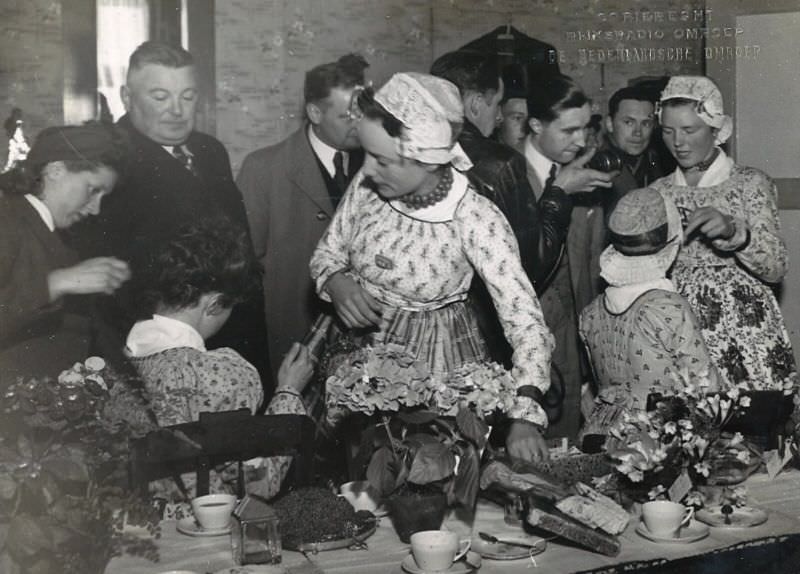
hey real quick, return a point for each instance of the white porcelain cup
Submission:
(665, 518)
(360, 495)
(213, 511)
(436, 550)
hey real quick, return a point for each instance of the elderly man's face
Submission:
(332, 121)
(161, 102)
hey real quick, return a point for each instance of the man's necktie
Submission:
(339, 176)
(551, 177)
(185, 159)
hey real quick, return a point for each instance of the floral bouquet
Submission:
(63, 475)
(424, 430)
(683, 434)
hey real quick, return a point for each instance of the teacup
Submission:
(360, 495)
(436, 550)
(213, 511)
(665, 518)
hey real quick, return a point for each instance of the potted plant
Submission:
(63, 471)
(422, 435)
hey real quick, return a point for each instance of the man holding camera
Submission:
(560, 113)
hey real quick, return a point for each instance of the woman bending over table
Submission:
(44, 314)
(641, 335)
(400, 253)
(733, 252)
(186, 288)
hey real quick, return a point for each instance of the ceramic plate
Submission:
(741, 517)
(494, 551)
(693, 532)
(190, 527)
(468, 564)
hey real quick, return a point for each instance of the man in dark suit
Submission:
(175, 175)
(560, 113)
(291, 191)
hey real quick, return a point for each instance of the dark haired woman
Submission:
(187, 288)
(733, 251)
(402, 248)
(44, 325)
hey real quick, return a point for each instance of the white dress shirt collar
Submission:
(42, 210)
(325, 153)
(541, 165)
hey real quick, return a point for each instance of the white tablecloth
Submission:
(780, 498)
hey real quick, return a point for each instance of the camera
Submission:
(606, 161)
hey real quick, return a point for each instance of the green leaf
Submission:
(466, 480)
(434, 461)
(27, 536)
(381, 471)
(472, 427)
(420, 417)
(416, 440)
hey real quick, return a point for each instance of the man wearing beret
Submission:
(175, 176)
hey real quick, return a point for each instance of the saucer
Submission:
(692, 532)
(499, 551)
(468, 564)
(741, 517)
(190, 527)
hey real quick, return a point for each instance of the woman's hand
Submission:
(296, 368)
(526, 442)
(98, 275)
(353, 304)
(711, 223)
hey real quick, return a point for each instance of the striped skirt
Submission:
(444, 338)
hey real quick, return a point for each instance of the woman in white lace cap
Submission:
(733, 252)
(401, 251)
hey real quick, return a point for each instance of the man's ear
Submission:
(609, 125)
(536, 125)
(314, 113)
(125, 96)
(472, 106)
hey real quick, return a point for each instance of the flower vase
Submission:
(765, 419)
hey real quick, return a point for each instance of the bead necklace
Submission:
(437, 194)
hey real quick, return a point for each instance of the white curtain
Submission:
(121, 26)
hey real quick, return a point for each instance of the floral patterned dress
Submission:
(184, 381)
(729, 287)
(419, 264)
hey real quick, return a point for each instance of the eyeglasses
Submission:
(354, 112)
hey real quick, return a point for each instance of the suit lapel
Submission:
(304, 172)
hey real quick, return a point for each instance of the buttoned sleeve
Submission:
(492, 250)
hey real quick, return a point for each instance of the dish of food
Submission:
(314, 519)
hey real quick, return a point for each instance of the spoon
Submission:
(494, 540)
